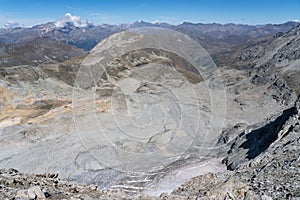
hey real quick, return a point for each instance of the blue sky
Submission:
(31, 12)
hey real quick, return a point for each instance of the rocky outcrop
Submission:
(267, 170)
(273, 51)
(24, 186)
(250, 143)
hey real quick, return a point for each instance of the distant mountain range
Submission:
(217, 39)
(85, 35)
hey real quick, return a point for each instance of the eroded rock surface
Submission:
(258, 137)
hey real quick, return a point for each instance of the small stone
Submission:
(52, 176)
(74, 198)
(266, 197)
(31, 193)
(297, 128)
(93, 187)
(37, 191)
(73, 189)
(163, 195)
(22, 194)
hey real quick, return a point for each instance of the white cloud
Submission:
(10, 24)
(22, 21)
(70, 19)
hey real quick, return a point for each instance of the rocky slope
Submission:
(272, 174)
(36, 52)
(266, 162)
(113, 101)
(275, 51)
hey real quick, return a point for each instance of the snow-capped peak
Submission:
(10, 24)
(296, 20)
(70, 19)
(155, 22)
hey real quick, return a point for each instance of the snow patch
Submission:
(177, 177)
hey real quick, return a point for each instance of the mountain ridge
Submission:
(85, 35)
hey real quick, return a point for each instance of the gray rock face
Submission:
(155, 114)
(154, 118)
(247, 146)
(278, 51)
(143, 114)
(272, 174)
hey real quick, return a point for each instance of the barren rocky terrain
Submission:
(147, 114)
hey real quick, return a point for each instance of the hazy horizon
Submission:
(30, 13)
